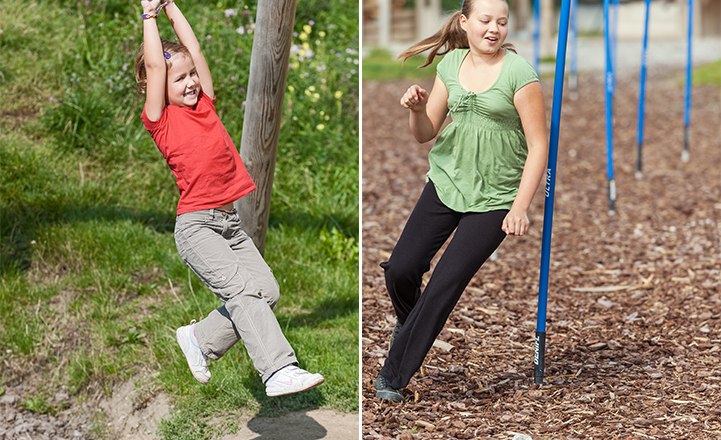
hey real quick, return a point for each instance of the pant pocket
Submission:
(209, 256)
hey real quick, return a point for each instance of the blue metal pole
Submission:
(614, 40)
(687, 111)
(609, 112)
(573, 78)
(642, 95)
(540, 343)
(537, 35)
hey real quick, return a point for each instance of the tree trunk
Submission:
(263, 110)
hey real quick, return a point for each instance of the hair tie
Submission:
(166, 55)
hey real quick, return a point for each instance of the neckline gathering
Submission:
(492, 86)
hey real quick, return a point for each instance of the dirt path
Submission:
(634, 309)
(134, 413)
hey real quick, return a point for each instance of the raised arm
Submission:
(531, 108)
(427, 112)
(187, 38)
(155, 68)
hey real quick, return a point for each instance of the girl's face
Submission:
(183, 86)
(486, 26)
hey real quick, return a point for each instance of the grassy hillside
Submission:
(91, 286)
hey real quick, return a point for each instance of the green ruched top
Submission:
(477, 161)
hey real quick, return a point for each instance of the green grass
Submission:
(708, 74)
(91, 286)
(379, 65)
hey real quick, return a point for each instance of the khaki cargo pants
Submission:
(213, 245)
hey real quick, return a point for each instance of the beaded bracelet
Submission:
(147, 16)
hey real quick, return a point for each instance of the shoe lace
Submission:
(296, 371)
(382, 382)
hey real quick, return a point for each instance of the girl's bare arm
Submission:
(187, 38)
(532, 110)
(427, 112)
(155, 68)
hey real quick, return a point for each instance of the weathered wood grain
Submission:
(263, 110)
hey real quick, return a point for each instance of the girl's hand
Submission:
(415, 98)
(516, 222)
(150, 6)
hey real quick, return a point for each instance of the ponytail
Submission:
(450, 36)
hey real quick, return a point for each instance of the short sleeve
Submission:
(522, 73)
(152, 126)
(207, 99)
(158, 129)
(444, 68)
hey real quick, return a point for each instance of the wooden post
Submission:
(384, 23)
(428, 15)
(548, 28)
(263, 110)
(522, 11)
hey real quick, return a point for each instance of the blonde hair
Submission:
(169, 47)
(450, 36)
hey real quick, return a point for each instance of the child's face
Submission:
(487, 25)
(183, 86)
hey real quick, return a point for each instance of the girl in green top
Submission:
(484, 169)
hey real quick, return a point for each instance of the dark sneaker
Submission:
(394, 333)
(385, 391)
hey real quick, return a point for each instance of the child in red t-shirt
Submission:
(180, 115)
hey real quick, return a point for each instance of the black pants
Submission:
(430, 224)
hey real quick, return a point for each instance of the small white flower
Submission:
(231, 12)
(240, 30)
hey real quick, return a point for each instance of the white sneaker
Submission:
(197, 361)
(291, 379)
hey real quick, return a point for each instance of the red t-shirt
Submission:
(201, 155)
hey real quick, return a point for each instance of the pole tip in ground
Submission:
(685, 156)
(639, 175)
(612, 212)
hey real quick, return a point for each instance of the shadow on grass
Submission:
(19, 226)
(346, 222)
(327, 310)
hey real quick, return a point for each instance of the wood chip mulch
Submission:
(634, 313)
